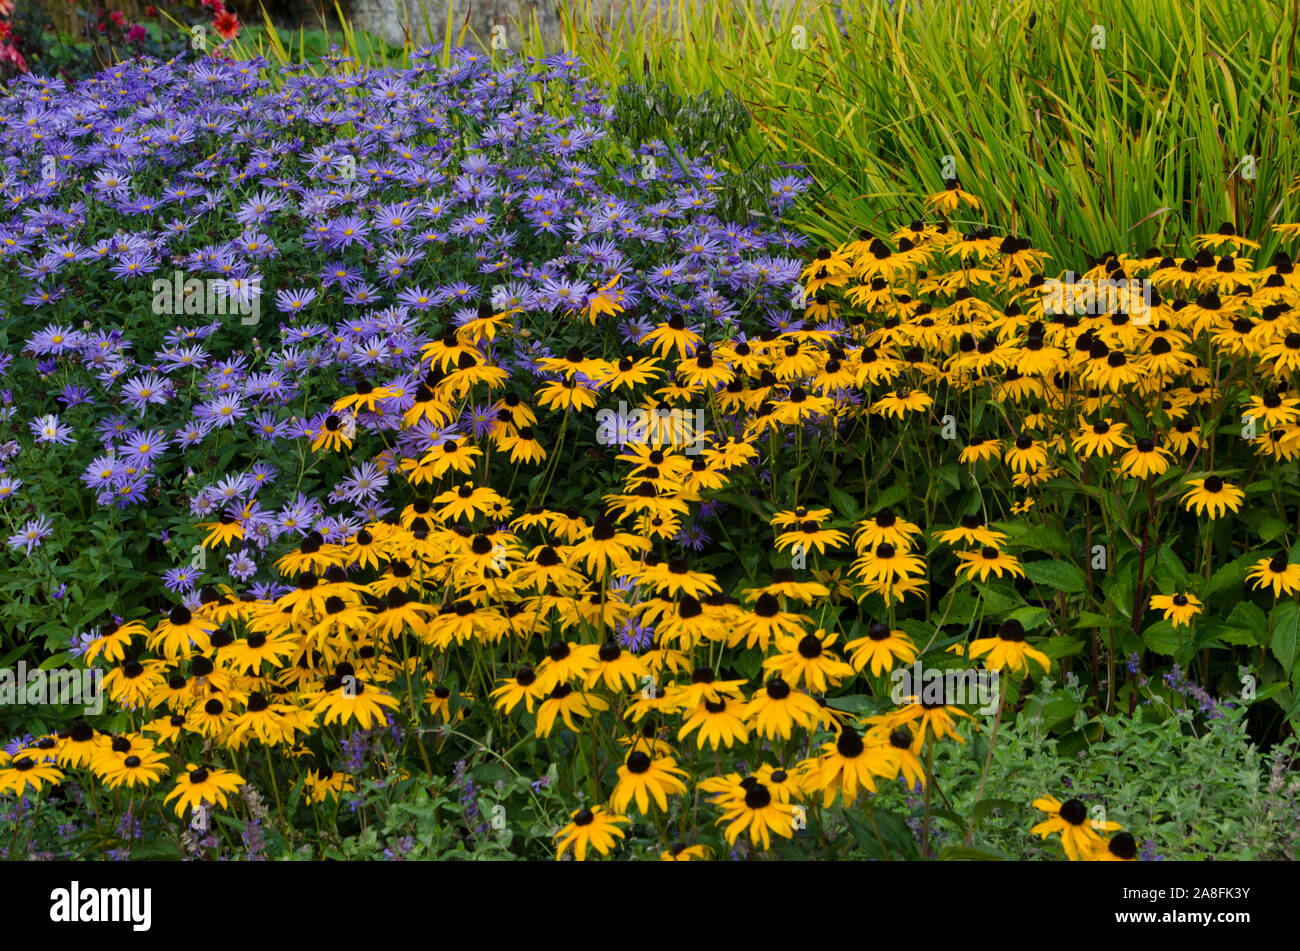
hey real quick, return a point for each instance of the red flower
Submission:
(10, 55)
(226, 24)
(150, 11)
(136, 34)
(116, 17)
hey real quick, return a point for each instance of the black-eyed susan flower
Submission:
(887, 564)
(522, 687)
(933, 717)
(26, 773)
(843, 769)
(1008, 649)
(988, 560)
(1079, 836)
(776, 709)
(951, 198)
(902, 401)
(681, 852)
(642, 778)
(893, 749)
(203, 784)
(811, 536)
(765, 621)
(760, 813)
(980, 449)
(566, 703)
(1277, 573)
(79, 746)
(226, 529)
(675, 576)
(880, 649)
(808, 660)
(1179, 609)
(589, 829)
(719, 722)
(267, 721)
(971, 531)
(1120, 847)
(180, 633)
(346, 698)
(324, 782)
(566, 662)
(1100, 439)
(617, 669)
(1145, 459)
(333, 434)
(784, 584)
(885, 527)
(1212, 496)
(1026, 454)
(112, 640)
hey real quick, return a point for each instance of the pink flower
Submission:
(136, 34)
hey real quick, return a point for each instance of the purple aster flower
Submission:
(242, 565)
(103, 473)
(73, 395)
(292, 302)
(148, 388)
(224, 411)
(55, 341)
(48, 429)
(141, 448)
(693, 537)
(130, 491)
(181, 580)
(31, 535)
(634, 635)
(9, 486)
(191, 434)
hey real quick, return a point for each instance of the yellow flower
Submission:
(1009, 649)
(202, 784)
(641, 778)
(589, 828)
(1079, 836)
(1276, 572)
(1212, 495)
(1178, 608)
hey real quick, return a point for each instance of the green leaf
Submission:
(1056, 647)
(844, 503)
(998, 598)
(1170, 572)
(1057, 575)
(966, 853)
(1226, 577)
(949, 473)
(1087, 619)
(1038, 538)
(1161, 638)
(1030, 617)
(1294, 709)
(1286, 633)
(985, 806)
(1250, 618)
(893, 831)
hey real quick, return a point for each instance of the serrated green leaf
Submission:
(1286, 634)
(1057, 575)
